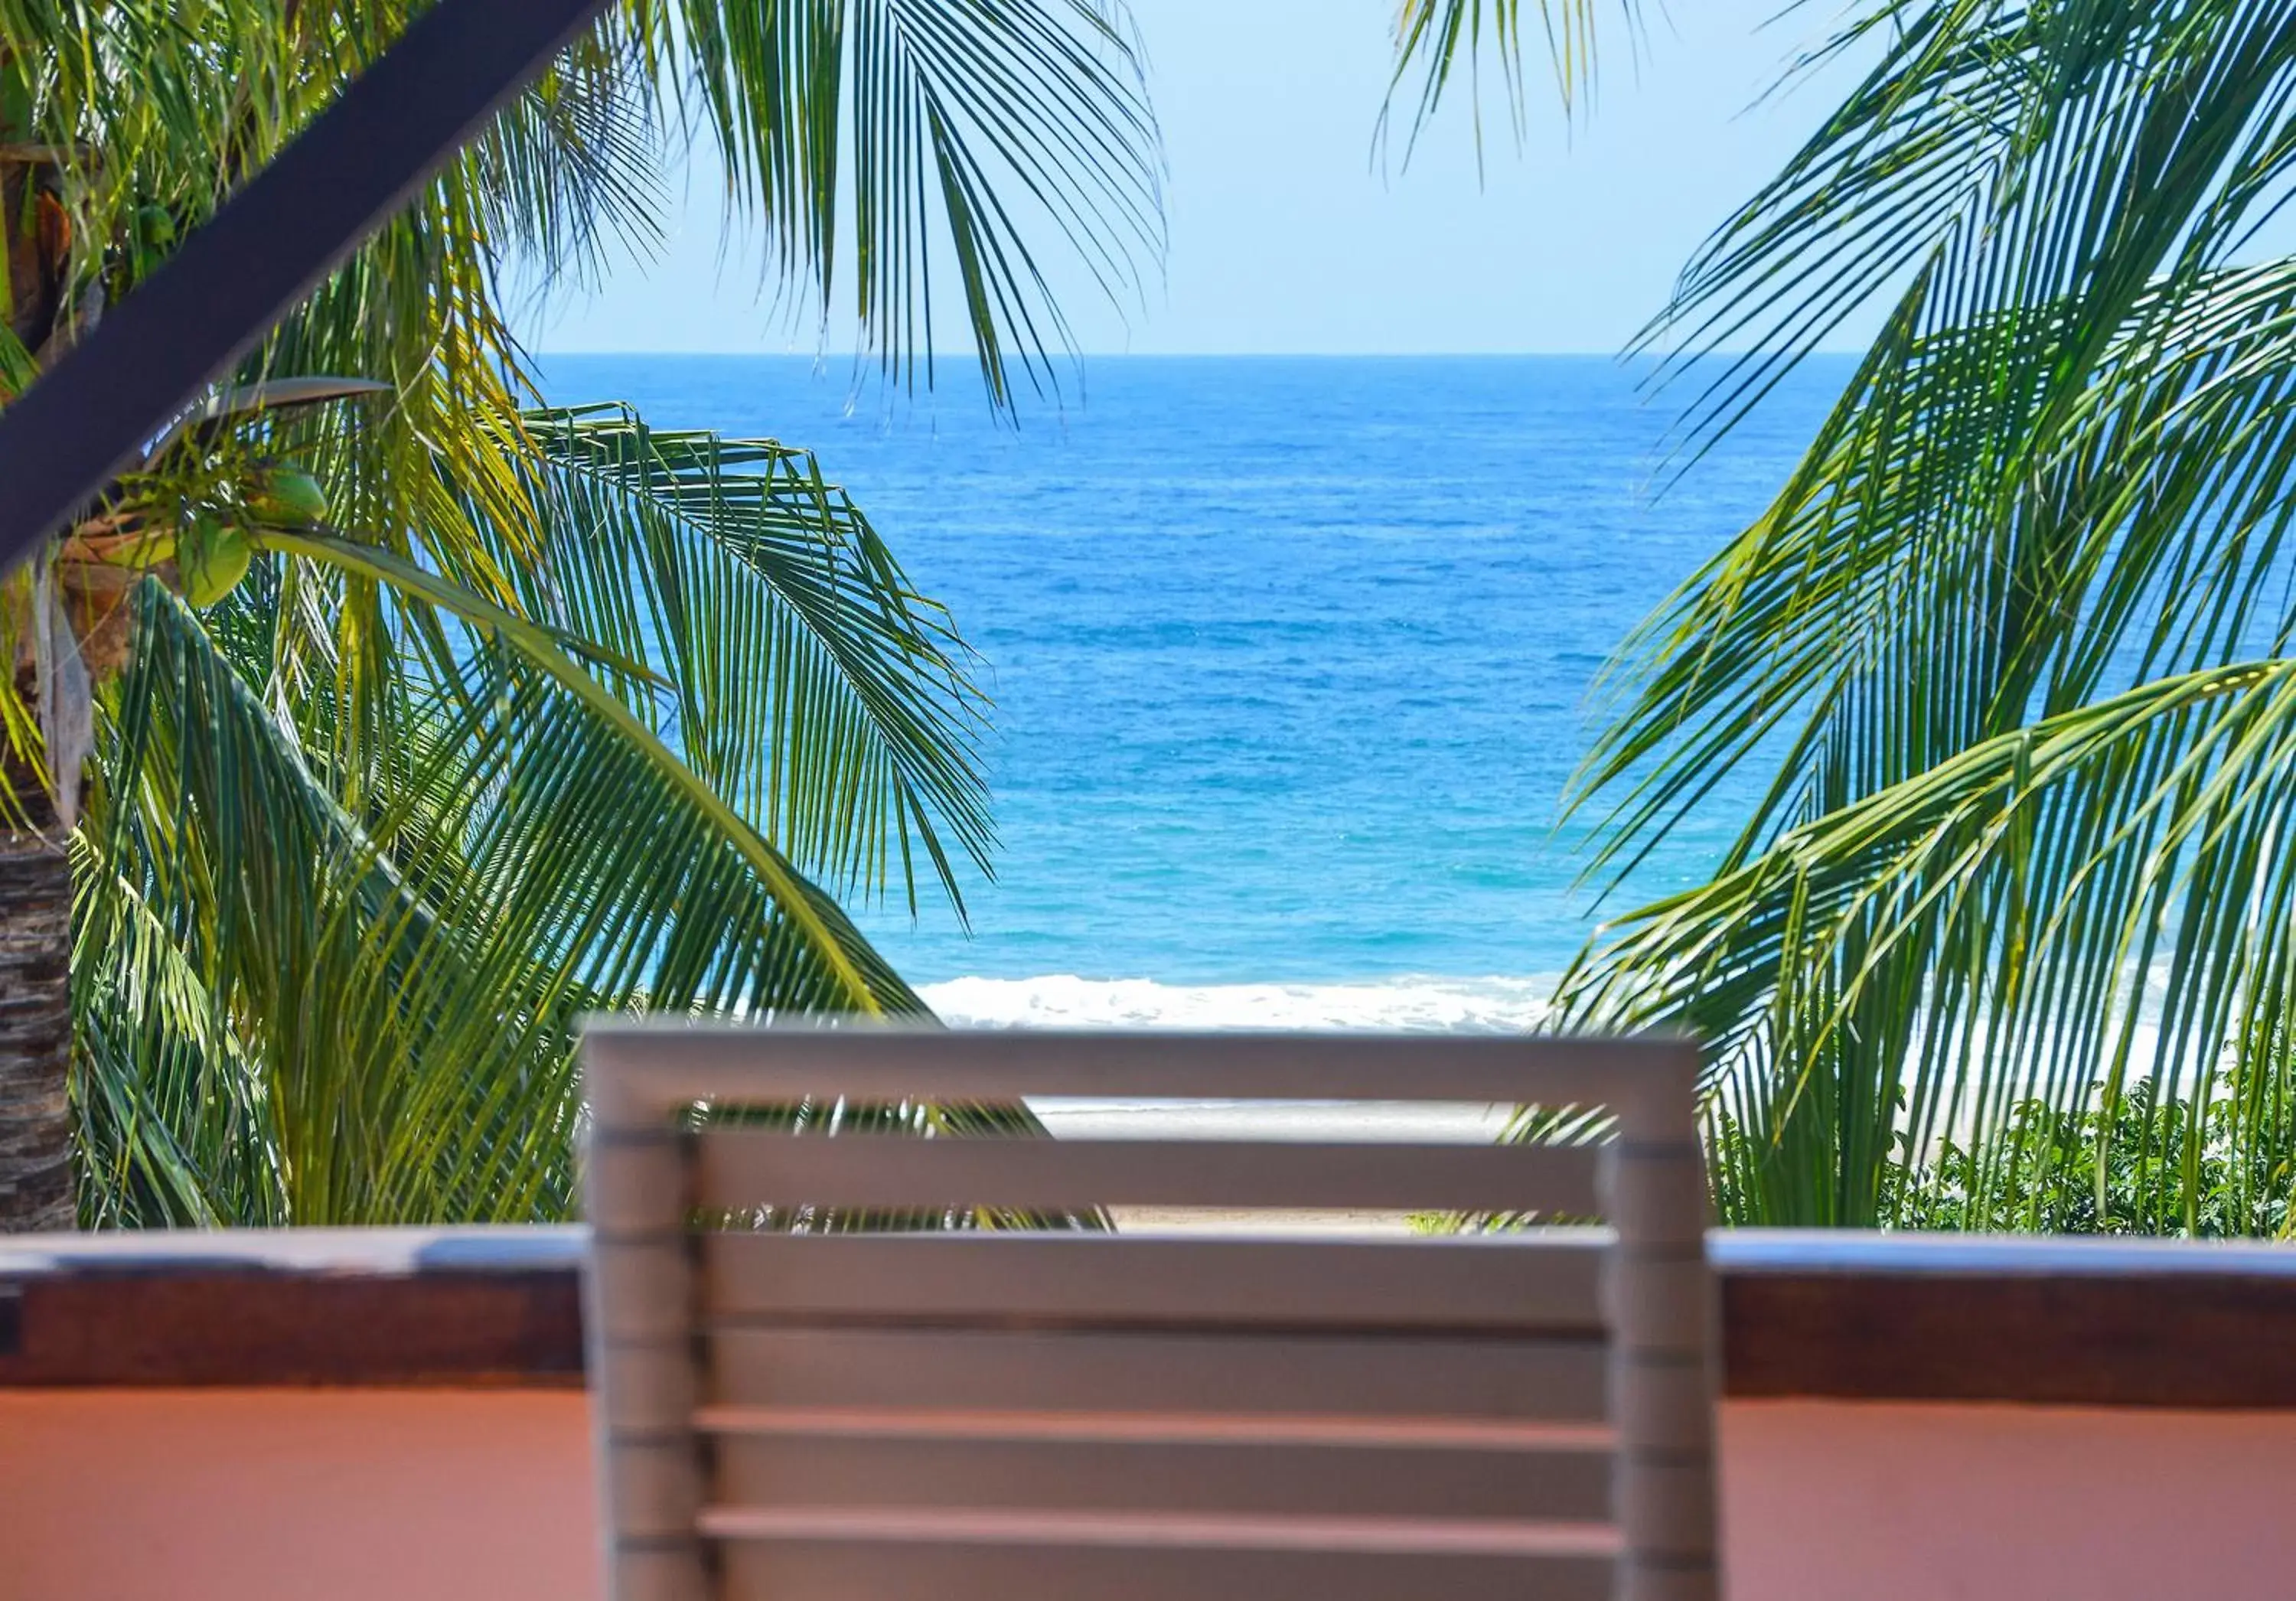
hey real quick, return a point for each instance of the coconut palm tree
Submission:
(384, 720)
(2012, 644)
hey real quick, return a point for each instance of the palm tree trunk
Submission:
(36, 1021)
(36, 1190)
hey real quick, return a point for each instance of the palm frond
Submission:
(1438, 41)
(2052, 914)
(1999, 157)
(2021, 838)
(584, 710)
(1975, 538)
(314, 1058)
(893, 140)
(809, 683)
(381, 1007)
(2060, 470)
(802, 954)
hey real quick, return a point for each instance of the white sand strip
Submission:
(1346, 1120)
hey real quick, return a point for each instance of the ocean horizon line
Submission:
(965, 362)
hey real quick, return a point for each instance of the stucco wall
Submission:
(466, 1496)
(1886, 1501)
(286, 1495)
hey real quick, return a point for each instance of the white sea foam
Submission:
(1063, 1000)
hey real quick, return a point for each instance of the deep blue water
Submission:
(1292, 657)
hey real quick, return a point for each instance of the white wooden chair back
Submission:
(1060, 1415)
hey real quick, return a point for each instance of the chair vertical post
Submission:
(645, 1371)
(1659, 1299)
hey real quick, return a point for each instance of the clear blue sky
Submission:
(1286, 236)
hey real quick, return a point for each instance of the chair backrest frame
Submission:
(648, 1171)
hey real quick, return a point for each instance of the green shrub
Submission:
(2135, 1167)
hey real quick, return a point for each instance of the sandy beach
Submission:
(1303, 1120)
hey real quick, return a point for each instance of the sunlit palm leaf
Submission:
(1965, 546)
(392, 1002)
(810, 684)
(2104, 896)
(987, 123)
(1438, 41)
(2058, 480)
(884, 143)
(329, 1079)
(612, 786)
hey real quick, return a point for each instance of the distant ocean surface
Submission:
(1291, 659)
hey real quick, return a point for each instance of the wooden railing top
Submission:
(656, 1067)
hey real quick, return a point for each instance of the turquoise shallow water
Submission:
(1291, 659)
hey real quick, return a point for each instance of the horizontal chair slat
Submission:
(741, 1168)
(1323, 1375)
(652, 1069)
(1146, 1530)
(1548, 1279)
(943, 1421)
(1016, 1471)
(983, 1556)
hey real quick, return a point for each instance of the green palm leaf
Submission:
(583, 711)
(1439, 40)
(809, 683)
(527, 670)
(883, 142)
(984, 122)
(1966, 543)
(1981, 639)
(380, 1009)
(2103, 897)
(515, 834)
(316, 1062)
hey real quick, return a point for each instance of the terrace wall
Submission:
(398, 1415)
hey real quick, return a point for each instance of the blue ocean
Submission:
(1293, 659)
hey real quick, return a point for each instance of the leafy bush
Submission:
(2134, 1165)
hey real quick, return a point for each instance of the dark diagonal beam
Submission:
(267, 248)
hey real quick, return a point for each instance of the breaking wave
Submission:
(1063, 1000)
